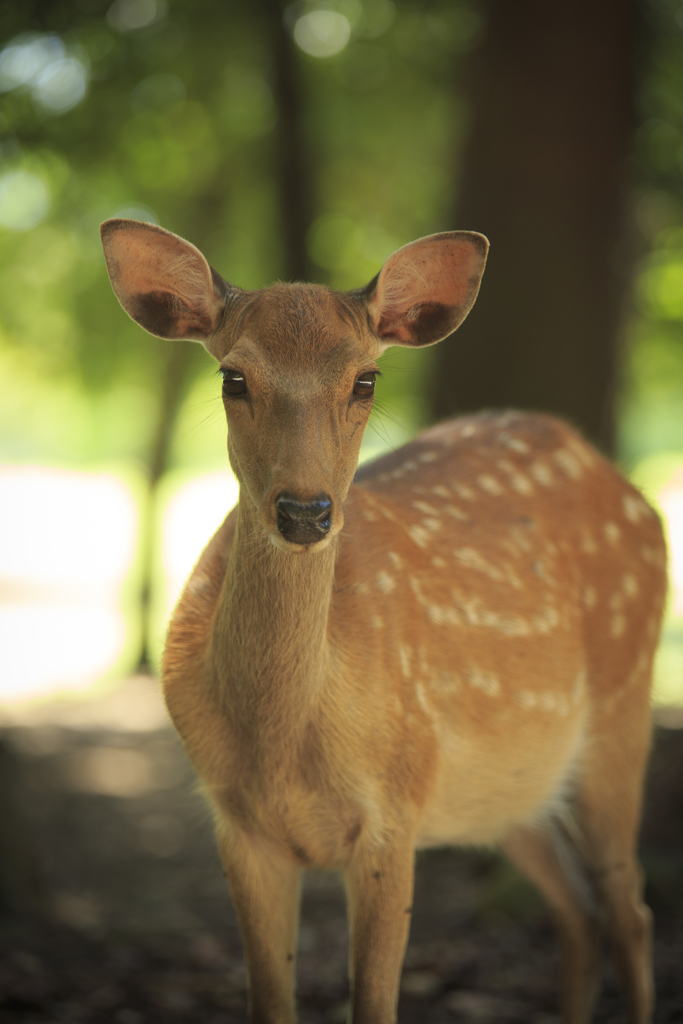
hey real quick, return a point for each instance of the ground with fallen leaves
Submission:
(129, 920)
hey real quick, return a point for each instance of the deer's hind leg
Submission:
(607, 807)
(586, 865)
(543, 855)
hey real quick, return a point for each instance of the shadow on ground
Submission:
(115, 909)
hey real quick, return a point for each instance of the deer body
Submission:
(454, 649)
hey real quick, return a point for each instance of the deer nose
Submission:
(303, 522)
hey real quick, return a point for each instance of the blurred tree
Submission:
(544, 175)
(311, 139)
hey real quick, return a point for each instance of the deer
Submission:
(451, 646)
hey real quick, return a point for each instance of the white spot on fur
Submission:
(421, 536)
(546, 621)
(521, 484)
(422, 506)
(629, 584)
(617, 625)
(541, 474)
(484, 681)
(553, 702)
(422, 700)
(428, 456)
(395, 559)
(583, 453)
(385, 582)
(404, 656)
(612, 533)
(473, 559)
(476, 615)
(441, 492)
(568, 463)
(469, 430)
(439, 563)
(377, 622)
(432, 524)
(409, 466)
(441, 614)
(545, 701)
(588, 545)
(463, 491)
(456, 513)
(490, 484)
(360, 588)
(590, 597)
(369, 515)
(631, 509)
(635, 508)
(517, 444)
(518, 481)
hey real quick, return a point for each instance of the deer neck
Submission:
(270, 641)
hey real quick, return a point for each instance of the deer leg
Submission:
(608, 818)
(265, 888)
(536, 855)
(379, 887)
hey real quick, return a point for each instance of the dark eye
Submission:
(234, 382)
(365, 384)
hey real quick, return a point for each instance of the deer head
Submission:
(298, 361)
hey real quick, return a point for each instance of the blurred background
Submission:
(306, 140)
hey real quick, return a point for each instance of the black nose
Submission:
(303, 522)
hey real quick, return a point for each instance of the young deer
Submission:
(454, 648)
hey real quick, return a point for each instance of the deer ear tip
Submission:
(483, 241)
(108, 227)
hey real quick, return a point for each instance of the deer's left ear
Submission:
(163, 282)
(427, 288)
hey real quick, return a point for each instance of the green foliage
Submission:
(170, 114)
(653, 393)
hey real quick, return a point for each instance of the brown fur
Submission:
(466, 658)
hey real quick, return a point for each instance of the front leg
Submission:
(265, 886)
(379, 885)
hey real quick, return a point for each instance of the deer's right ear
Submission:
(163, 282)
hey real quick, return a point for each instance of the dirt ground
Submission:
(116, 910)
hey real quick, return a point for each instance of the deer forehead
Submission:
(303, 326)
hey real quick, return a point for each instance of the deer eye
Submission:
(234, 382)
(365, 384)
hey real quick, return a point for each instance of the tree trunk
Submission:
(291, 159)
(544, 177)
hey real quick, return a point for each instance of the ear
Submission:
(427, 288)
(163, 282)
